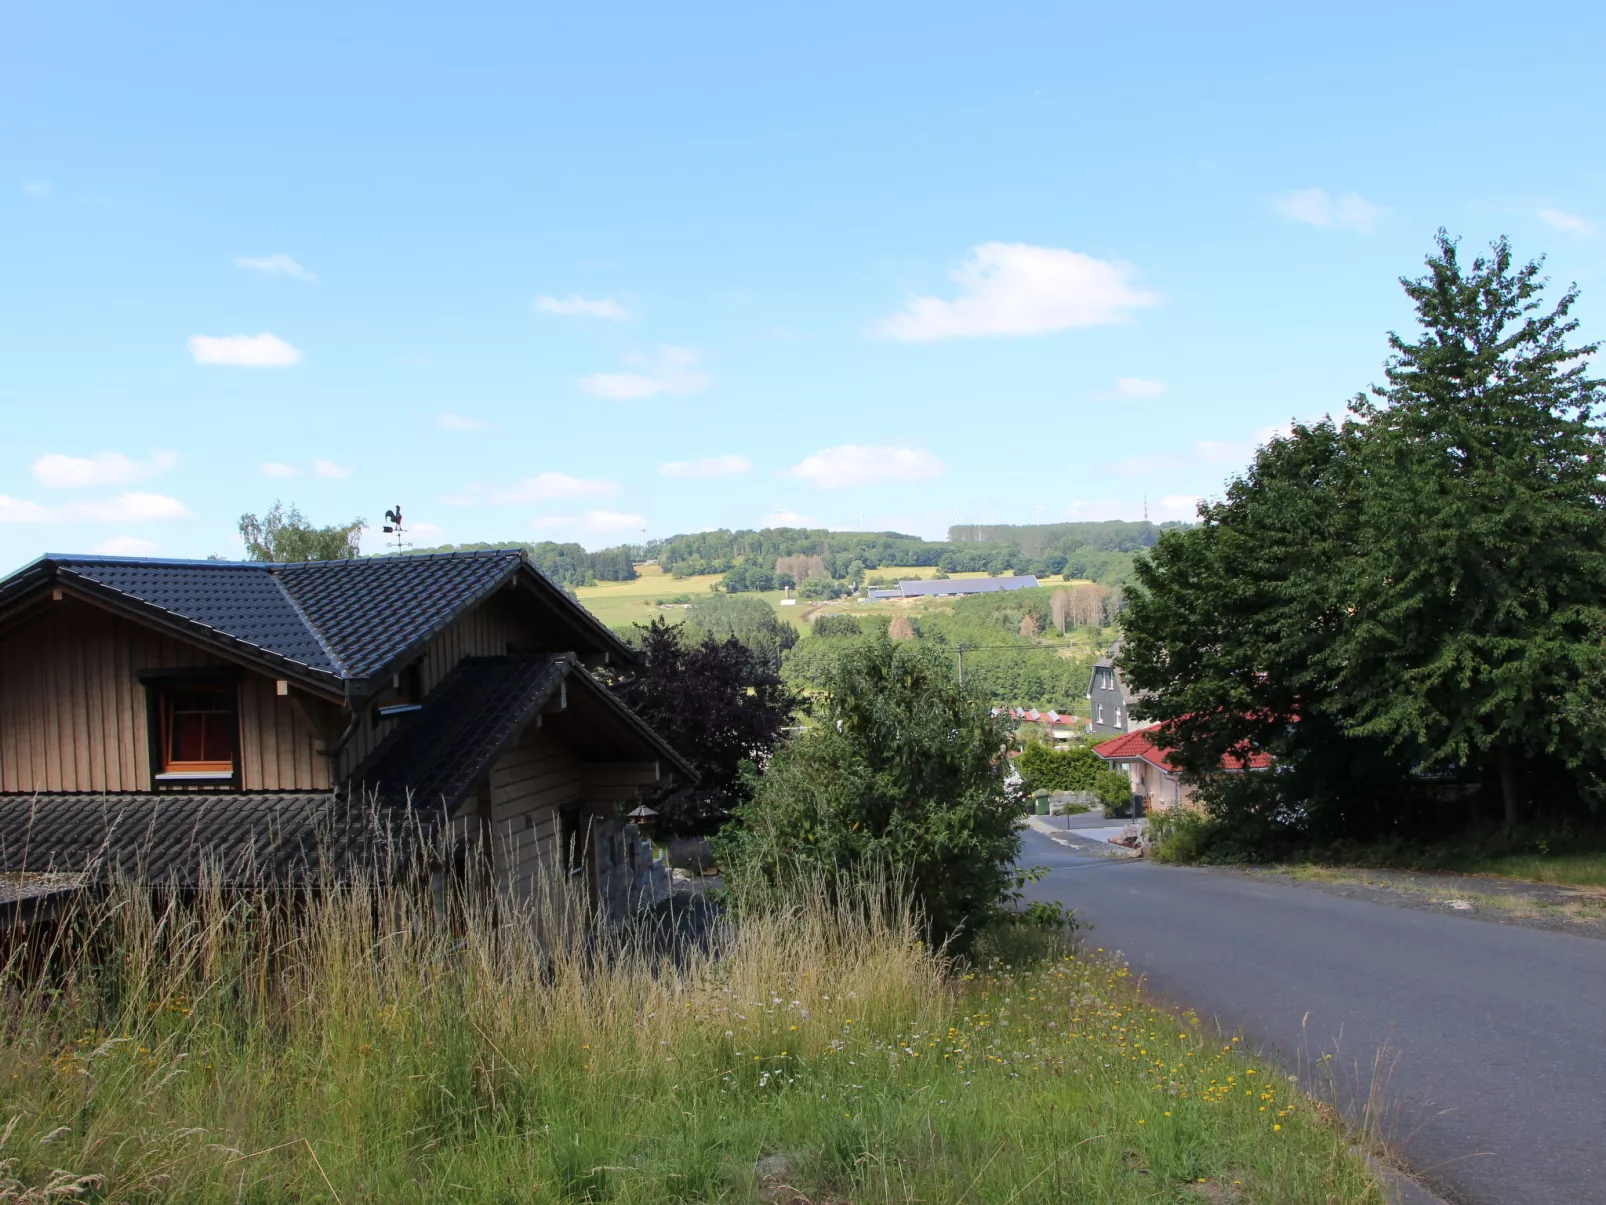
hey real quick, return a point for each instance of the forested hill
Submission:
(1049, 550)
(1101, 551)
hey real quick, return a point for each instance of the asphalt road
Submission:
(1489, 1040)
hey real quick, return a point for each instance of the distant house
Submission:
(942, 587)
(273, 724)
(1156, 780)
(1108, 698)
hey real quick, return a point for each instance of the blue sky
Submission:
(580, 271)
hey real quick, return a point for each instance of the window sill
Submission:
(196, 776)
(399, 709)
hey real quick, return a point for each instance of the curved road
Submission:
(1490, 1039)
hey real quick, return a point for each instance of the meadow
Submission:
(369, 1052)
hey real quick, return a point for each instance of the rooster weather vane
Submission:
(393, 526)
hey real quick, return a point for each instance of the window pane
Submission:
(219, 745)
(189, 736)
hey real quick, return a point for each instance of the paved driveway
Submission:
(1490, 1039)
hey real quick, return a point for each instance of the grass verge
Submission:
(364, 1051)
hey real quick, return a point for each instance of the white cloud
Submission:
(244, 351)
(274, 265)
(37, 188)
(712, 466)
(1314, 207)
(669, 370)
(447, 421)
(548, 522)
(1568, 223)
(103, 468)
(1019, 289)
(125, 508)
(274, 468)
(574, 304)
(858, 464)
(545, 486)
(1138, 387)
(789, 518)
(328, 468)
(125, 546)
(612, 520)
(131, 508)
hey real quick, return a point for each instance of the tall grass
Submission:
(363, 1046)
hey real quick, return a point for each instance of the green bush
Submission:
(837, 625)
(898, 777)
(1074, 769)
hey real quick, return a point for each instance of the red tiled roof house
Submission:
(1156, 779)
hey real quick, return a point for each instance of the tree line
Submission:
(1407, 606)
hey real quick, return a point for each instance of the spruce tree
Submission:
(1478, 583)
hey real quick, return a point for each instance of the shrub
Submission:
(899, 777)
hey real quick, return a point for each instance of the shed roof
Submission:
(965, 585)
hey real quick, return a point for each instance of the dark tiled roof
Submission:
(339, 620)
(241, 600)
(187, 838)
(437, 753)
(372, 609)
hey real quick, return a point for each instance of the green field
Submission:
(620, 604)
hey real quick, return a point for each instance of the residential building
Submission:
(279, 723)
(1109, 700)
(1157, 785)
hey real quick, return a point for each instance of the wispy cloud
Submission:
(275, 468)
(789, 518)
(1138, 387)
(712, 466)
(37, 187)
(543, 487)
(859, 464)
(328, 468)
(1206, 451)
(1019, 289)
(125, 508)
(1315, 207)
(667, 371)
(125, 546)
(274, 265)
(1567, 223)
(244, 351)
(103, 468)
(575, 305)
(593, 522)
(447, 421)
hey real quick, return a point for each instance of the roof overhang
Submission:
(44, 581)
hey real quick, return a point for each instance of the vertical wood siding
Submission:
(73, 713)
(529, 784)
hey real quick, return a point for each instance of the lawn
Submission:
(825, 1056)
(1572, 870)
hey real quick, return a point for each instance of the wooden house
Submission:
(275, 723)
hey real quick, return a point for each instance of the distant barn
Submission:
(957, 585)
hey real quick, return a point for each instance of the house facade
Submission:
(1157, 785)
(1109, 701)
(264, 721)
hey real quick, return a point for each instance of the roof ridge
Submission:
(328, 651)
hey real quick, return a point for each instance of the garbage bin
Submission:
(1040, 798)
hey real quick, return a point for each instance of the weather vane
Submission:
(393, 526)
